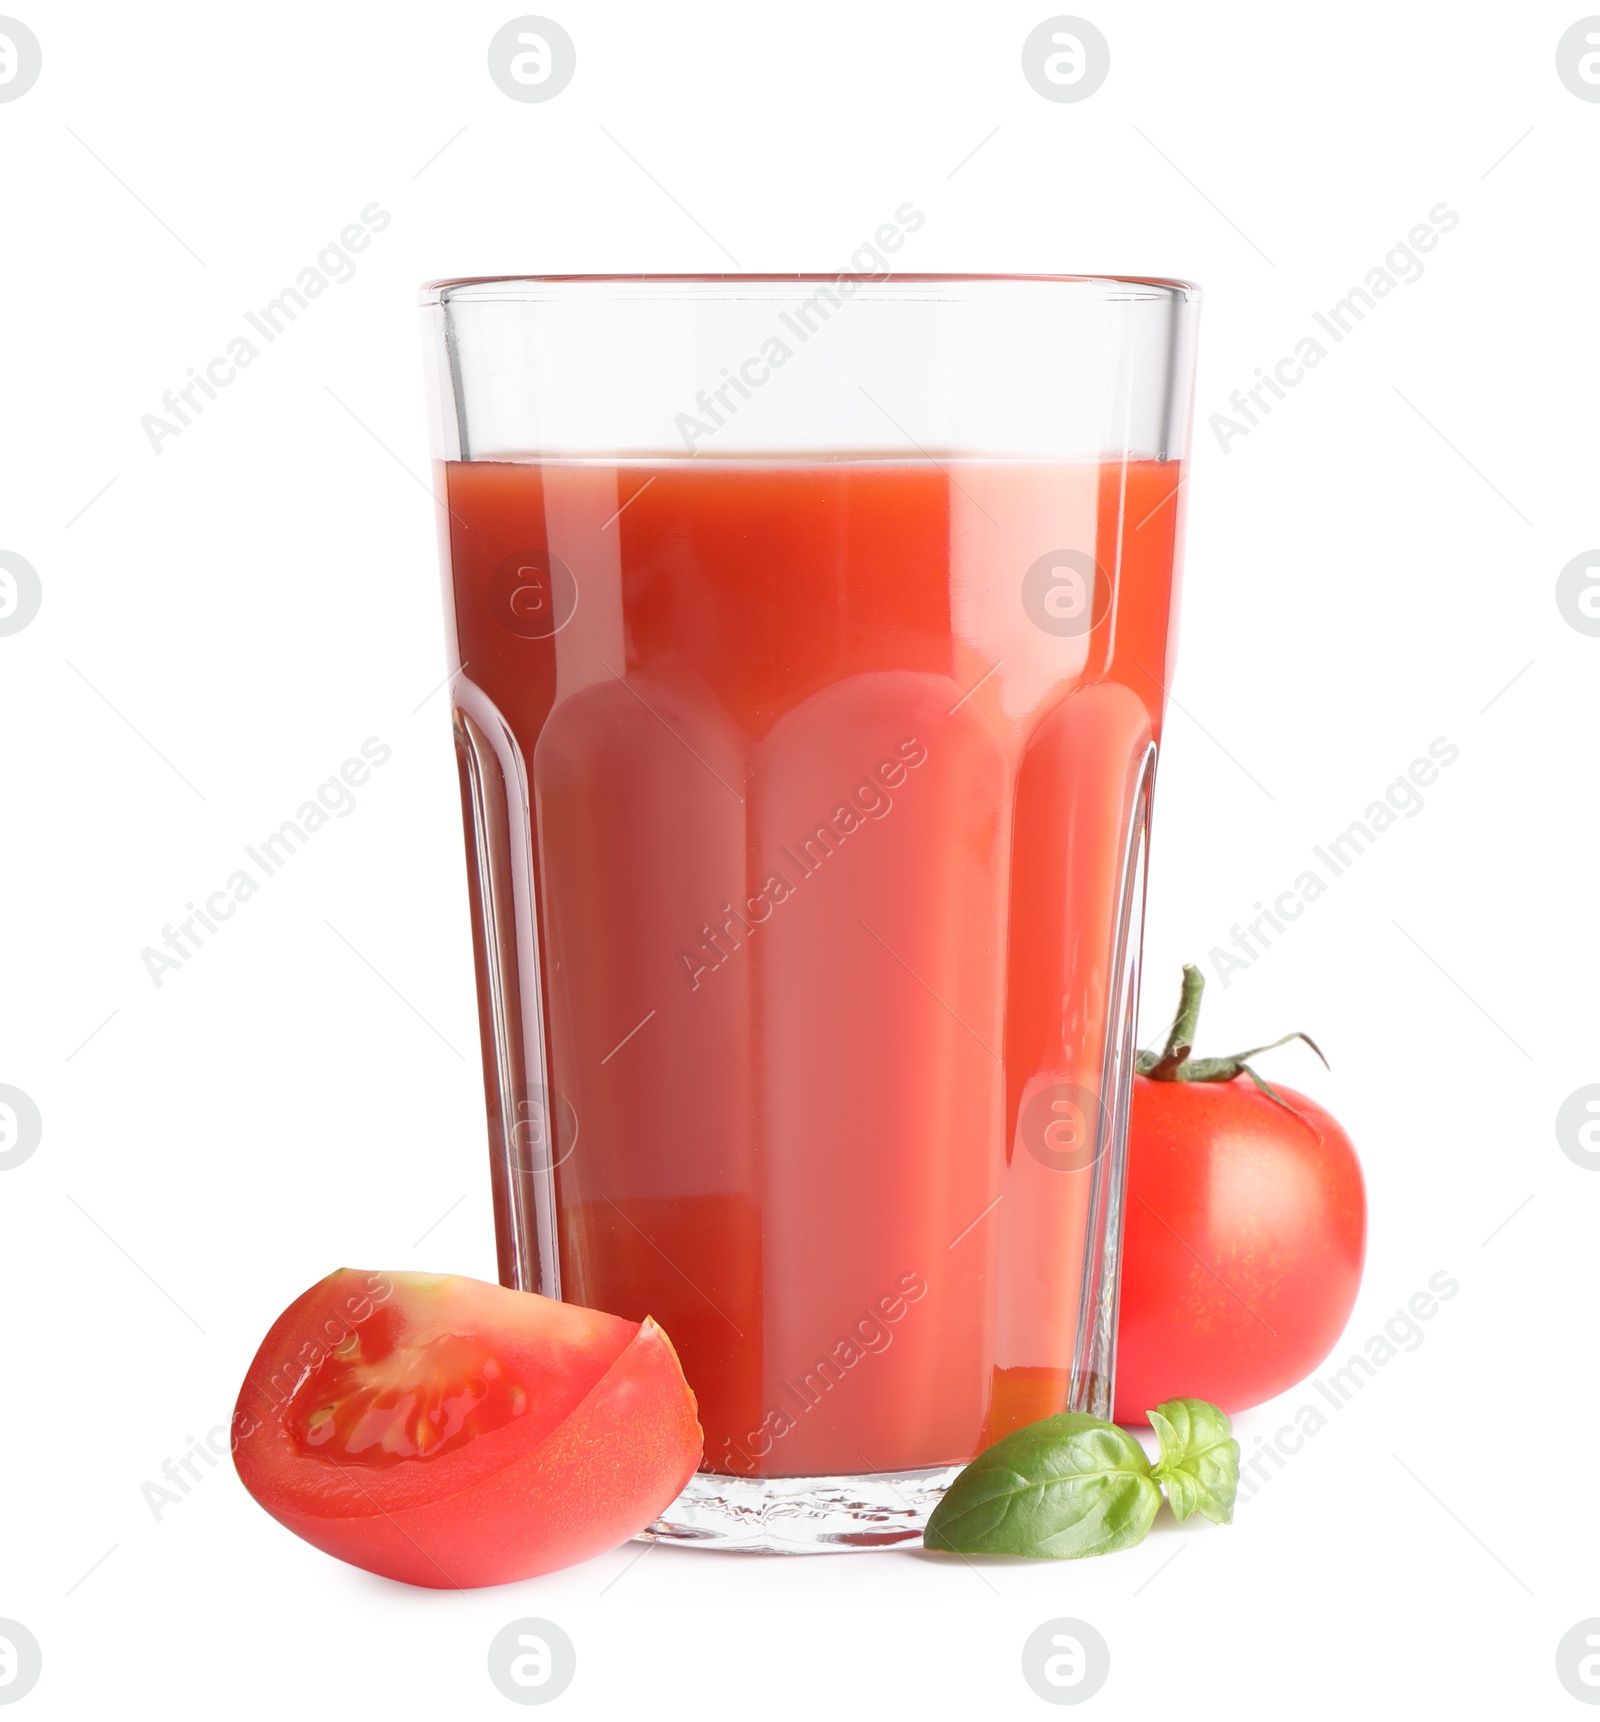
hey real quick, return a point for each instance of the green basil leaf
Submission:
(1199, 1460)
(1059, 1489)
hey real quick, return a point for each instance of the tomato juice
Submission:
(805, 800)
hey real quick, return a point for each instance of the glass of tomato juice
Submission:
(811, 636)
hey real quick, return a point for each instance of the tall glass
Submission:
(812, 634)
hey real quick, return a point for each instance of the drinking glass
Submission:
(811, 637)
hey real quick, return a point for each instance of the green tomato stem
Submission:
(1173, 1063)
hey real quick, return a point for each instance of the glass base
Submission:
(803, 1515)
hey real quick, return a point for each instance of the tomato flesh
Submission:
(381, 1404)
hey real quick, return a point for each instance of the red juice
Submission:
(828, 776)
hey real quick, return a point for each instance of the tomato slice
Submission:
(451, 1433)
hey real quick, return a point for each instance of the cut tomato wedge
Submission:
(452, 1433)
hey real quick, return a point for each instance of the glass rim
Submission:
(484, 289)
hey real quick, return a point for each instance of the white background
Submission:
(225, 623)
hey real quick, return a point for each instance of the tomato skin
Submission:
(610, 1440)
(1243, 1244)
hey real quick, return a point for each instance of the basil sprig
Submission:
(1073, 1485)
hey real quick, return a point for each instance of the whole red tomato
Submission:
(1245, 1231)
